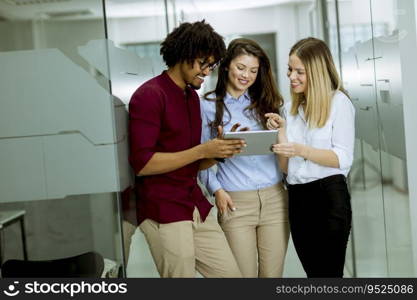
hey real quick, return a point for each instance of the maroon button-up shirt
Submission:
(165, 118)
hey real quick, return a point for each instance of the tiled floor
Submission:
(381, 236)
(141, 264)
(381, 216)
(382, 233)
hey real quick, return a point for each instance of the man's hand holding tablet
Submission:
(258, 142)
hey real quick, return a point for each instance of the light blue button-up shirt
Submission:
(238, 173)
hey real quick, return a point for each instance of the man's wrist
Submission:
(201, 151)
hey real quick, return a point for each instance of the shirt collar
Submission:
(229, 99)
(301, 112)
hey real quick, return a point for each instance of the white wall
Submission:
(67, 36)
(137, 30)
(408, 67)
(355, 12)
(290, 23)
(16, 36)
(278, 19)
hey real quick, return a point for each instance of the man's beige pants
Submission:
(258, 230)
(181, 248)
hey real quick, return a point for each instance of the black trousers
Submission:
(320, 220)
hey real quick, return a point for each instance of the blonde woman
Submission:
(315, 149)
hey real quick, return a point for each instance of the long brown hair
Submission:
(322, 81)
(263, 92)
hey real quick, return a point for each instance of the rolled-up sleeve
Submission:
(145, 109)
(208, 177)
(343, 132)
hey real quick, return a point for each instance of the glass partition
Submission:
(389, 89)
(63, 149)
(135, 31)
(371, 63)
(367, 257)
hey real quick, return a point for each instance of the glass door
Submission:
(387, 36)
(60, 149)
(368, 239)
(374, 44)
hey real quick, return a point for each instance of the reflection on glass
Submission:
(136, 29)
(371, 70)
(391, 127)
(368, 240)
(58, 144)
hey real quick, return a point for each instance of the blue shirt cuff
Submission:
(213, 187)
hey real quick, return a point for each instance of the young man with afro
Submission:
(166, 155)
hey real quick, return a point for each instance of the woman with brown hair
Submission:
(315, 150)
(250, 197)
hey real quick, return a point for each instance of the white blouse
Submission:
(338, 135)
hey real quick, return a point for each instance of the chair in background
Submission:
(87, 265)
(8, 218)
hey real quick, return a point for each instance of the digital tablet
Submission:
(258, 142)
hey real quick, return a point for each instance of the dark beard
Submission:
(194, 87)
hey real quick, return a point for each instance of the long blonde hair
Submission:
(322, 81)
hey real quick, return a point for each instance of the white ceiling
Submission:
(78, 9)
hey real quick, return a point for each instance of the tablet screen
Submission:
(258, 142)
